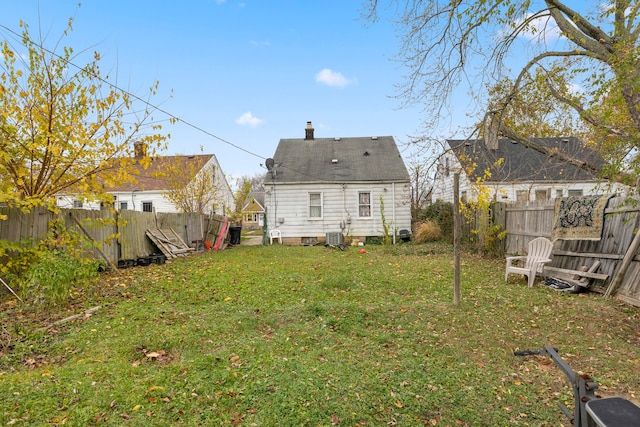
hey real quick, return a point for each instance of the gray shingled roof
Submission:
(338, 160)
(526, 164)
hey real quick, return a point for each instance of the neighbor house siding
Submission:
(135, 194)
(508, 191)
(288, 209)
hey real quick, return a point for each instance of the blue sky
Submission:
(249, 72)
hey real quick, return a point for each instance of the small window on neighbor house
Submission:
(77, 204)
(573, 193)
(213, 174)
(147, 206)
(463, 196)
(364, 205)
(558, 193)
(315, 205)
(124, 206)
(542, 194)
(522, 196)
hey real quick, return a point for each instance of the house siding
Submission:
(136, 198)
(287, 207)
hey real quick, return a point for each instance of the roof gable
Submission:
(255, 202)
(526, 164)
(338, 160)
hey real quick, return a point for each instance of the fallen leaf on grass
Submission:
(335, 420)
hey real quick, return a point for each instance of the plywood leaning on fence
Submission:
(169, 243)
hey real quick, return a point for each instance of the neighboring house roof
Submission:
(526, 164)
(152, 178)
(255, 202)
(338, 160)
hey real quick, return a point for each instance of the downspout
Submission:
(393, 210)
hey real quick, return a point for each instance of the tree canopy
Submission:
(63, 125)
(587, 58)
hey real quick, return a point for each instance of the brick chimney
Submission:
(308, 132)
(139, 150)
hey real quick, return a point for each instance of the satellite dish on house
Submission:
(269, 163)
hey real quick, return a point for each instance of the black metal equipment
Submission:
(590, 410)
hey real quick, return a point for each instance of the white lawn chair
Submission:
(538, 254)
(275, 234)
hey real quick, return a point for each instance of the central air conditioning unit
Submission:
(334, 239)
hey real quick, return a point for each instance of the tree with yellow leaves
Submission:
(63, 125)
(194, 183)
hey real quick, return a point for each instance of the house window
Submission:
(147, 206)
(522, 196)
(364, 205)
(315, 205)
(542, 194)
(463, 197)
(77, 204)
(251, 217)
(213, 174)
(558, 193)
(573, 193)
(124, 206)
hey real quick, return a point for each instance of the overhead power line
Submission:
(159, 109)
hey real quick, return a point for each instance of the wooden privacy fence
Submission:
(115, 236)
(526, 221)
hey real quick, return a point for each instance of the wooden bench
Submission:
(576, 277)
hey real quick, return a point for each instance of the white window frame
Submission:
(147, 203)
(321, 205)
(124, 205)
(364, 205)
(78, 204)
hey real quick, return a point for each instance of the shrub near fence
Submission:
(115, 236)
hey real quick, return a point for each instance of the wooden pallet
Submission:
(169, 243)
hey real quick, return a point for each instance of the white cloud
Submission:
(333, 78)
(247, 119)
(542, 29)
(575, 89)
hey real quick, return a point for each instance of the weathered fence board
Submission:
(115, 236)
(524, 222)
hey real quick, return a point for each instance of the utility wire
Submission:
(138, 98)
(161, 110)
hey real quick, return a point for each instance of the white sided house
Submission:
(324, 188)
(513, 172)
(149, 191)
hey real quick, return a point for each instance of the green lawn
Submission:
(294, 336)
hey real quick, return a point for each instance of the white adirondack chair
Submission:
(538, 254)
